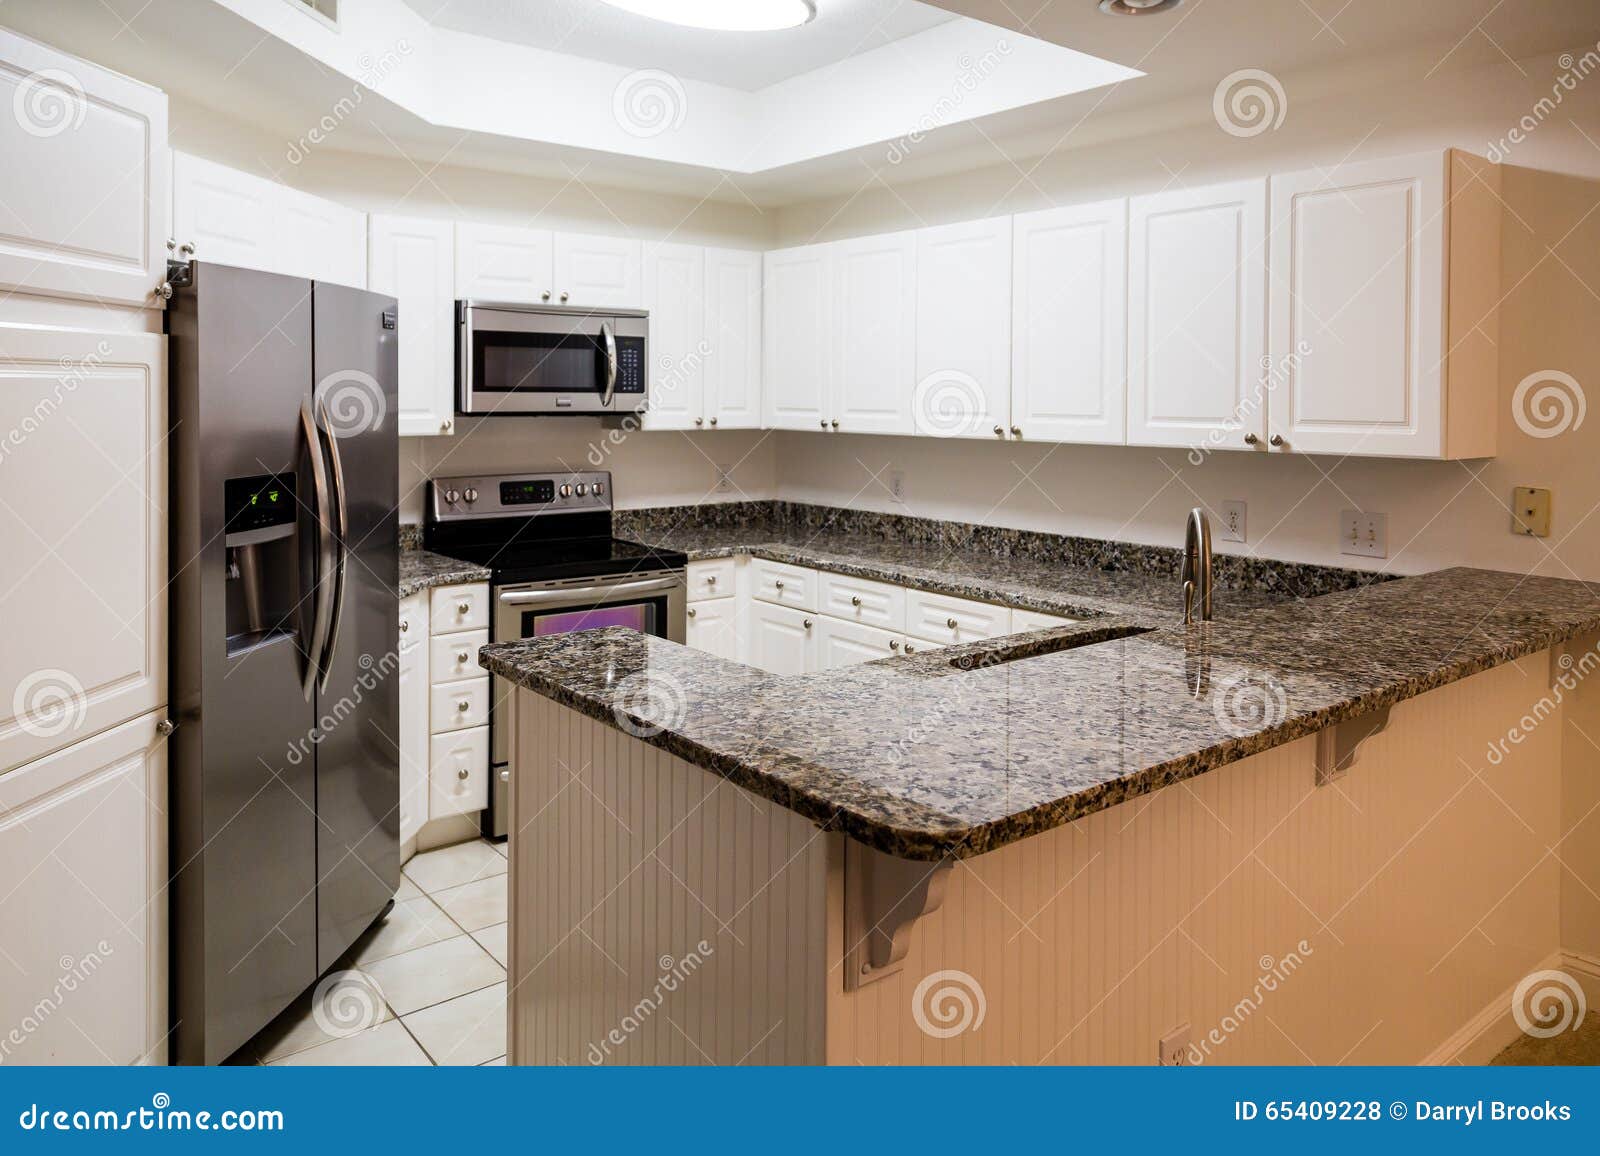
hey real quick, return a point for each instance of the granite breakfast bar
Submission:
(1084, 844)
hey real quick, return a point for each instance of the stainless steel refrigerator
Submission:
(285, 780)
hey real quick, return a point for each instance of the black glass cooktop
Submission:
(555, 558)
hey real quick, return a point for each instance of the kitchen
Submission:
(816, 538)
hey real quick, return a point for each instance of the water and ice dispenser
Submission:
(262, 560)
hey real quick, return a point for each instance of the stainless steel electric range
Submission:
(546, 538)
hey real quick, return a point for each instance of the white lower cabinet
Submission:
(713, 626)
(841, 643)
(84, 560)
(459, 772)
(782, 640)
(414, 750)
(83, 912)
(945, 620)
(456, 707)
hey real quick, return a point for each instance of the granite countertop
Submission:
(958, 751)
(422, 569)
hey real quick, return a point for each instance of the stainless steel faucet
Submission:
(1196, 573)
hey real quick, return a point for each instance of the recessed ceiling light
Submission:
(725, 15)
(1137, 7)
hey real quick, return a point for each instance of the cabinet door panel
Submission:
(1197, 316)
(713, 626)
(1357, 307)
(874, 328)
(598, 271)
(412, 259)
(1069, 323)
(733, 338)
(228, 216)
(964, 329)
(675, 292)
(796, 333)
(504, 263)
(781, 640)
(83, 850)
(84, 212)
(85, 558)
(319, 239)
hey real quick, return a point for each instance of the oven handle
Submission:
(545, 597)
(611, 363)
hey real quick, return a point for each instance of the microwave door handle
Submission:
(341, 541)
(545, 597)
(323, 562)
(611, 363)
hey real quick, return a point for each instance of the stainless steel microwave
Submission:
(545, 359)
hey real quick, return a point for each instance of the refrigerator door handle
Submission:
(324, 555)
(340, 532)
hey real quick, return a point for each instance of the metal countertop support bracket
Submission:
(1338, 745)
(883, 897)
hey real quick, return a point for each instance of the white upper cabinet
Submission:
(1360, 353)
(732, 367)
(874, 334)
(963, 369)
(504, 263)
(675, 294)
(796, 333)
(319, 239)
(1069, 323)
(412, 259)
(84, 567)
(86, 168)
(1197, 274)
(602, 271)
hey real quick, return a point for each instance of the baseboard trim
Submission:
(1493, 1028)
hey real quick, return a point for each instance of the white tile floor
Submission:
(427, 985)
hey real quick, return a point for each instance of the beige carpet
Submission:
(1576, 1048)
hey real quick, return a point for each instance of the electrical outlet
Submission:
(1364, 534)
(1230, 527)
(897, 485)
(1173, 1050)
(724, 480)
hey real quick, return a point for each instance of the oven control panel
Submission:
(513, 495)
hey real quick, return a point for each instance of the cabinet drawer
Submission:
(943, 619)
(784, 584)
(455, 656)
(1023, 621)
(862, 600)
(453, 608)
(711, 579)
(458, 773)
(454, 706)
(413, 619)
(841, 643)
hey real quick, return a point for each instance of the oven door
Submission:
(519, 361)
(650, 604)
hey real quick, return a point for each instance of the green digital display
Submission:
(259, 502)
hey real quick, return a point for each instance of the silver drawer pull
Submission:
(462, 656)
(855, 600)
(894, 644)
(405, 625)
(950, 622)
(910, 649)
(808, 624)
(463, 607)
(464, 705)
(711, 579)
(691, 612)
(462, 773)
(777, 583)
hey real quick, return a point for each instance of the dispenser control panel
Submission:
(259, 503)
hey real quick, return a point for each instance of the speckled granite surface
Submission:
(955, 752)
(421, 569)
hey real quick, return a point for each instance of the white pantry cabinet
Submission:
(412, 259)
(796, 337)
(963, 307)
(713, 626)
(874, 334)
(413, 691)
(733, 339)
(504, 263)
(86, 168)
(83, 913)
(1197, 274)
(1069, 323)
(782, 639)
(1383, 305)
(591, 270)
(84, 565)
(675, 294)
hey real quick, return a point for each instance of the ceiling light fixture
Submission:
(1137, 7)
(725, 15)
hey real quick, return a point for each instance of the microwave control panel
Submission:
(630, 365)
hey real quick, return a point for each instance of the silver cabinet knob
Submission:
(563, 295)
(463, 607)
(545, 296)
(1016, 431)
(691, 612)
(166, 726)
(1277, 440)
(444, 426)
(464, 705)
(834, 423)
(950, 622)
(711, 579)
(699, 421)
(999, 431)
(713, 421)
(405, 625)
(808, 624)
(186, 250)
(463, 655)
(894, 644)
(824, 423)
(462, 773)
(855, 600)
(1251, 439)
(910, 649)
(777, 583)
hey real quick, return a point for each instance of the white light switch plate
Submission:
(1230, 522)
(1364, 534)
